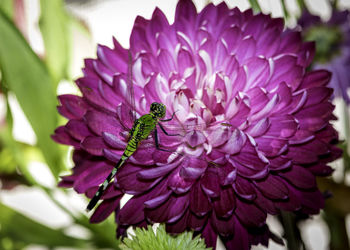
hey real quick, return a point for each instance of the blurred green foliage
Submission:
(56, 36)
(31, 232)
(27, 77)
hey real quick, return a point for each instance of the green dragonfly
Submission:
(140, 131)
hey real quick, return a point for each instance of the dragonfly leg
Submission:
(157, 142)
(162, 128)
(167, 120)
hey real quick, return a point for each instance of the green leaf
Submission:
(285, 10)
(21, 230)
(148, 240)
(102, 234)
(7, 7)
(53, 24)
(28, 78)
(255, 5)
(12, 153)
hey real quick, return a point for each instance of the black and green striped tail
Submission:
(104, 186)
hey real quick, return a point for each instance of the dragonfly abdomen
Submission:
(130, 147)
(104, 185)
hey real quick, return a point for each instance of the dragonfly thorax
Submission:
(157, 109)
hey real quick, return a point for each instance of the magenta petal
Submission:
(157, 196)
(227, 174)
(258, 71)
(114, 61)
(244, 188)
(112, 155)
(104, 210)
(282, 126)
(209, 235)
(266, 204)
(179, 226)
(225, 227)
(199, 202)
(77, 129)
(170, 211)
(273, 187)
(93, 145)
(235, 142)
(111, 192)
(300, 177)
(259, 128)
(286, 70)
(293, 202)
(321, 170)
(114, 141)
(316, 78)
(195, 138)
(219, 136)
(280, 163)
(166, 62)
(245, 49)
(127, 180)
(225, 204)
(132, 212)
(104, 72)
(240, 239)
(100, 122)
(155, 202)
(301, 155)
(317, 95)
(196, 223)
(62, 136)
(89, 89)
(210, 183)
(186, 10)
(249, 214)
(179, 184)
(157, 171)
(72, 107)
(193, 168)
(97, 174)
(272, 146)
(312, 202)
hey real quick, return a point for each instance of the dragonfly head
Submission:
(157, 109)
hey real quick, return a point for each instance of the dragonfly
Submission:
(140, 131)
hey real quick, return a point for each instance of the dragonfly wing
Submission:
(130, 95)
(183, 129)
(130, 84)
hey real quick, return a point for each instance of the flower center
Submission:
(328, 40)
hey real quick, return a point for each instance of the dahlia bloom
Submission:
(255, 125)
(332, 47)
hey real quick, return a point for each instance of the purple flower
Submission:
(264, 129)
(332, 47)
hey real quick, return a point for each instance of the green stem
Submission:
(285, 10)
(255, 5)
(347, 134)
(49, 193)
(346, 120)
(334, 3)
(301, 5)
(291, 231)
(337, 228)
(101, 236)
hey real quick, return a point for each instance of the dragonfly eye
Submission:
(158, 109)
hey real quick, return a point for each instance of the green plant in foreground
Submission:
(145, 239)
